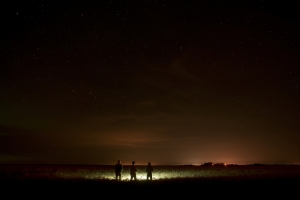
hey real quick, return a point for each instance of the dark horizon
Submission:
(183, 165)
(174, 82)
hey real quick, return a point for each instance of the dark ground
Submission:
(198, 188)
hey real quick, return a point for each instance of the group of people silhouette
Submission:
(133, 170)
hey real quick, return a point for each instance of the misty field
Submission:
(170, 180)
(106, 172)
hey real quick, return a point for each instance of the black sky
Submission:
(171, 82)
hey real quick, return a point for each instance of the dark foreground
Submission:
(198, 188)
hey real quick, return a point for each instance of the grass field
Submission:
(88, 182)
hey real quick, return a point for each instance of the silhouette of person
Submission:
(118, 170)
(133, 171)
(149, 170)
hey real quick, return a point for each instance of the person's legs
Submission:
(118, 176)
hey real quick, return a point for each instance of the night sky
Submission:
(170, 82)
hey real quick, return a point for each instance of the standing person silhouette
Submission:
(149, 170)
(118, 170)
(133, 171)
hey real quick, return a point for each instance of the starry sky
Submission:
(170, 82)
